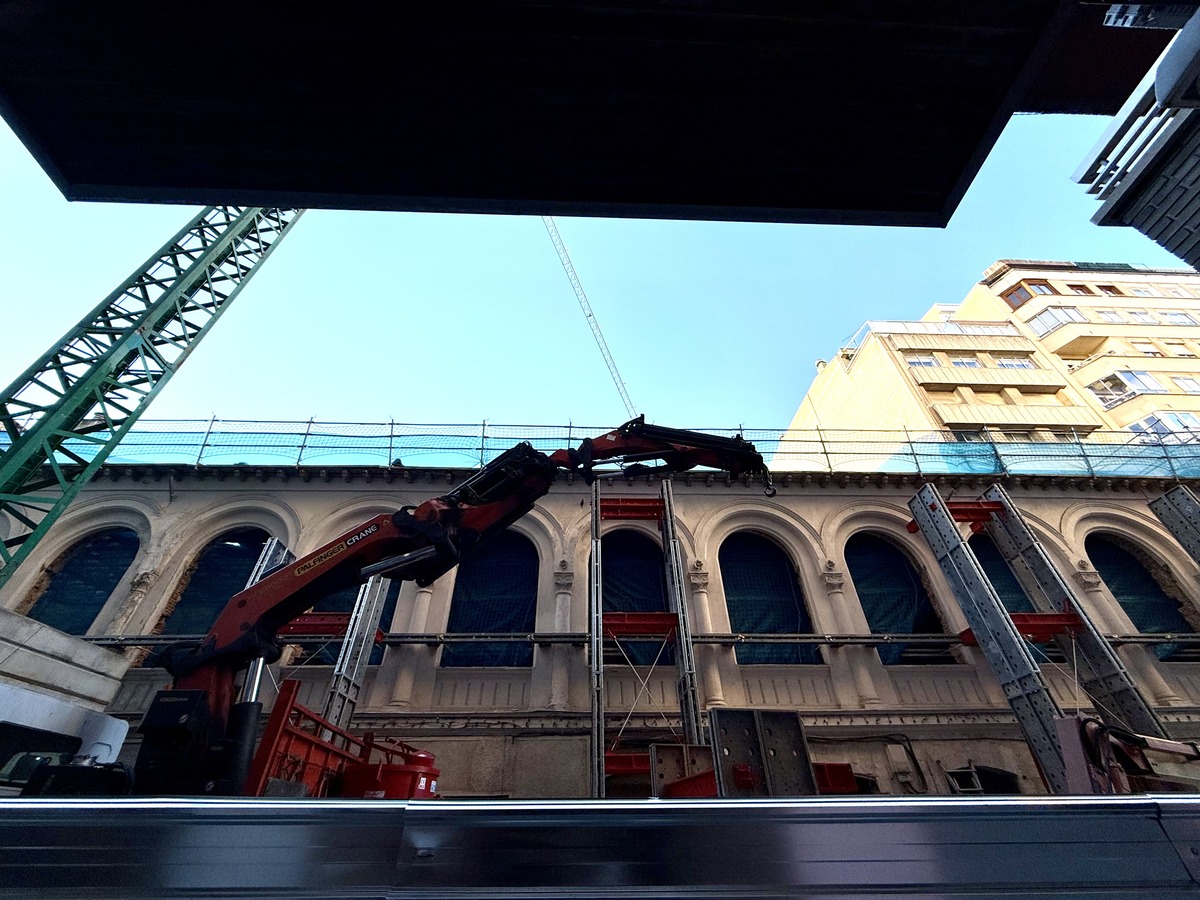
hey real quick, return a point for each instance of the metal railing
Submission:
(222, 443)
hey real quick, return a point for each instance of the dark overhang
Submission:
(855, 111)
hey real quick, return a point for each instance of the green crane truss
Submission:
(67, 412)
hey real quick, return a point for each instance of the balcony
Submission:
(1016, 418)
(1034, 381)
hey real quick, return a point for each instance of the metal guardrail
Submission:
(223, 443)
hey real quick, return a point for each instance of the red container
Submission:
(702, 784)
(381, 781)
(834, 778)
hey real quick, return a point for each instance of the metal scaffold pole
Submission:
(596, 648)
(685, 657)
(64, 415)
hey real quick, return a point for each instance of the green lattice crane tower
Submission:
(66, 413)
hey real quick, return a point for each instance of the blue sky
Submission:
(443, 318)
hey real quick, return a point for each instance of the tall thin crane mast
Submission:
(565, 259)
(64, 415)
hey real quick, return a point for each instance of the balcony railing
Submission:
(402, 446)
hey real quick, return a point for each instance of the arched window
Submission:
(1140, 593)
(82, 579)
(495, 591)
(893, 598)
(1012, 595)
(634, 579)
(762, 593)
(220, 571)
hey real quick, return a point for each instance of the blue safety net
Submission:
(1005, 583)
(893, 598)
(1141, 596)
(221, 570)
(495, 591)
(81, 585)
(763, 596)
(634, 579)
(343, 602)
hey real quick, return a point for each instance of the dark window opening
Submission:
(762, 593)
(220, 571)
(343, 601)
(1151, 609)
(495, 591)
(81, 583)
(1005, 583)
(634, 579)
(894, 599)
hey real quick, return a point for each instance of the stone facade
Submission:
(523, 732)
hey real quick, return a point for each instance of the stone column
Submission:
(849, 667)
(413, 656)
(1138, 660)
(713, 693)
(560, 654)
(139, 587)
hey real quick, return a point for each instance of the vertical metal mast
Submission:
(69, 410)
(685, 657)
(596, 648)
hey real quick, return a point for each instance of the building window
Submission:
(966, 362)
(893, 599)
(1014, 362)
(1017, 296)
(1175, 317)
(1080, 289)
(1179, 348)
(1173, 290)
(495, 591)
(921, 360)
(1143, 291)
(1188, 384)
(1110, 315)
(78, 584)
(1111, 290)
(1122, 386)
(1146, 348)
(1146, 599)
(1040, 287)
(1141, 317)
(634, 579)
(220, 571)
(1054, 317)
(762, 593)
(1181, 427)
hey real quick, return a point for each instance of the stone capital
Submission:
(699, 580)
(1089, 581)
(834, 581)
(563, 580)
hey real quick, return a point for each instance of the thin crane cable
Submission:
(565, 258)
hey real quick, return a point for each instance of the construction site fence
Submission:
(220, 442)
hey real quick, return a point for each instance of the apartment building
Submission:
(1036, 351)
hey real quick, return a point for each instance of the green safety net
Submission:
(763, 596)
(88, 576)
(495, 591)
(1140, 595)
(222, 570)
(634, 579)
(893, 598)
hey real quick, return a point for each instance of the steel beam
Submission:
(685, 656)
(65, 414)
(1179, 510)
(1103, 676)
(596, 649)
(1002, 646)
